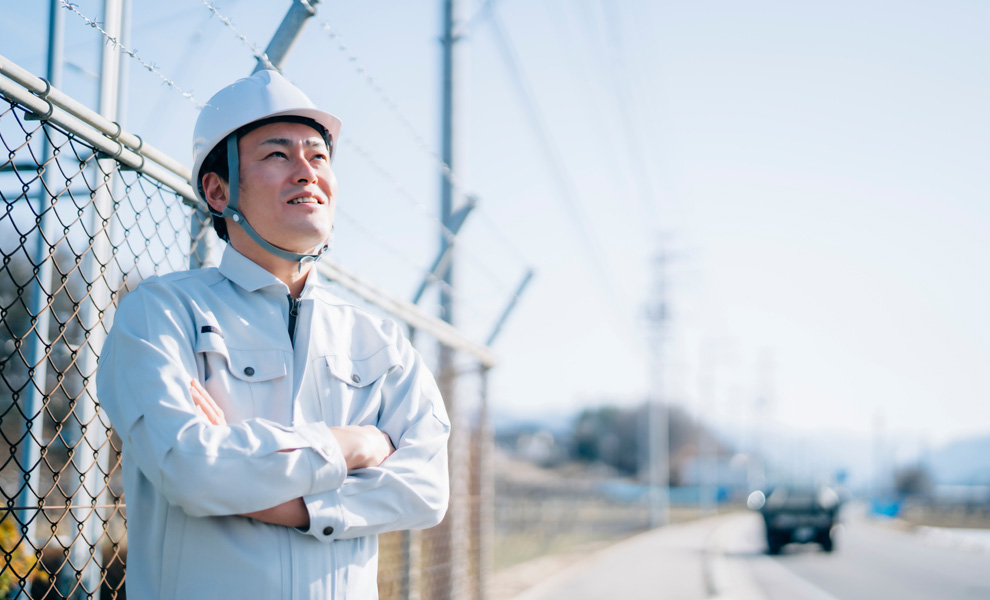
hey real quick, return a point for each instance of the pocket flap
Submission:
(247, 365)
(256, 365)
(364, 371)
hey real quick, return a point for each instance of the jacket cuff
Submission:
(329, 468)
(326, 516)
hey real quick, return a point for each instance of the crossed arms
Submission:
(362, 446)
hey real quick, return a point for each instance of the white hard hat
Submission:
(262, 95)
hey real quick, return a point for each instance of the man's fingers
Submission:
(205, 403)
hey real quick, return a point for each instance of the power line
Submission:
(115, 43)
(255, 50)
(566, 190)
(579, 69)
(626, 101)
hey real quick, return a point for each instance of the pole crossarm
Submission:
(105, 135)
(442, 263)
(509, 307)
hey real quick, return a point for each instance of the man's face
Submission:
(288, 192)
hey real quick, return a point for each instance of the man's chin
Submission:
(307, 249)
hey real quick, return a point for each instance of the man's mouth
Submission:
(306, 200)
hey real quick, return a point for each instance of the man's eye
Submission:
(276, 154)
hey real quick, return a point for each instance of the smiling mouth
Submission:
(306, 200)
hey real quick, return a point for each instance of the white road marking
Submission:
(732, 558)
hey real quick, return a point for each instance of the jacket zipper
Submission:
(293, 313)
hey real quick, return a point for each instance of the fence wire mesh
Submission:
(78, 230)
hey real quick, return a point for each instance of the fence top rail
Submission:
(408, 312)
(104, 135)
(49, 103)
(44, 90)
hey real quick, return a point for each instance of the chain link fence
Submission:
(83, 222)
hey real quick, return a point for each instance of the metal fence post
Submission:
(92, 438)
(485, 492)
(38, 344)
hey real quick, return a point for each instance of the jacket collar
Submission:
(252, 277)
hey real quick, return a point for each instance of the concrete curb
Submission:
(726, 576)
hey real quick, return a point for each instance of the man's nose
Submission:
(305, 172)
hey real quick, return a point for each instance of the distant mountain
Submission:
(819, 454)
(962, 462)
(557, 421)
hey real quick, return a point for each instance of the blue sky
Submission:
(817, 172)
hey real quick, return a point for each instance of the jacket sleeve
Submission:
(410, 490)
(143, 380)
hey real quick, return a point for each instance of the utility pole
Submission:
(763, 407)
(658, 422)
(454, 582)
(707, 448)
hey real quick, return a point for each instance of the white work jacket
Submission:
(185, 480)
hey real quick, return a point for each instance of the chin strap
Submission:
(231, 212)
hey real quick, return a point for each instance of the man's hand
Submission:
(363, 445)
(205, 404)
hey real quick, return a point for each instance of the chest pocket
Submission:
(352, 392)
(246, 383)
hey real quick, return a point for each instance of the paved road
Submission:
(870, 561)
(724, 558)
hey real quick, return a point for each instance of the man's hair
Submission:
(216, 160)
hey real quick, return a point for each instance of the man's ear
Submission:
(215, 190)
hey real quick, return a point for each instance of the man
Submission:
(270, 430)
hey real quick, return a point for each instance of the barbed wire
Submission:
(132, 53)
(258, 53)
(445, 168)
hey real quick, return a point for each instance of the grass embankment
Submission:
(958, 518)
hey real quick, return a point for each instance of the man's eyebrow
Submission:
(310, 142)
